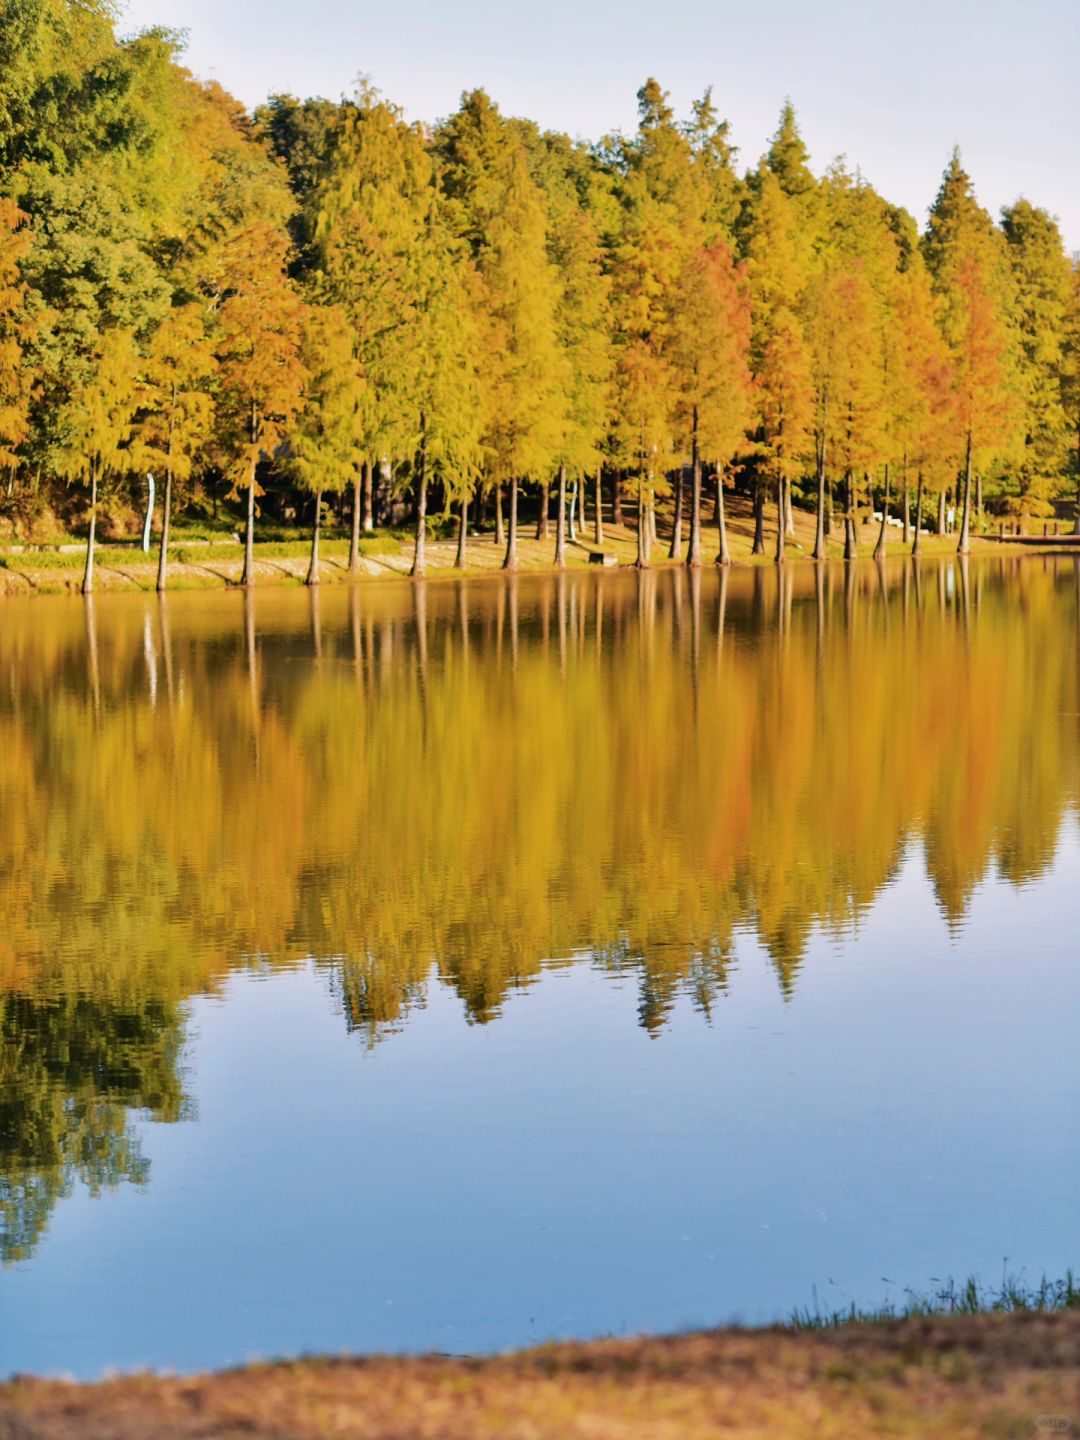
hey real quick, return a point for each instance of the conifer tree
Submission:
(96, 426)
(261, 374)
(15, 375)
(324, 447)
(1070, 380)
(176, 410)
(1043, 279)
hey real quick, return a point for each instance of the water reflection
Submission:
(480, 780)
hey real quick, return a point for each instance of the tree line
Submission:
(454, 315)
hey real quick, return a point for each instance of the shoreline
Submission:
(955, 1376)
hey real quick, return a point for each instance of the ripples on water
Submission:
(511, 959)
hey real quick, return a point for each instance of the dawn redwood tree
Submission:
(711, 349)
(176, 410)
(96, 425)
(1070, 380)
(15, 329)
(261, 374)
(324, 448)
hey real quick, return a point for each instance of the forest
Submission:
(325, 309)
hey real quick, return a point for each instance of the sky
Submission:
(892, 86)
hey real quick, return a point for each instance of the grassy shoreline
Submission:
(206, 559)
(958, 1376)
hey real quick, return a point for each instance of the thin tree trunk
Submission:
(879, 548)
(821, 520)
(313, 567)
(510, 558)
(354, 534)
(542, 519)
(907, 505)
(617, 505)
(573, 513)
(979, 495)
(964, 544)
(560, 522)
(419, 568)
(941, 512)
(248, 577)
(88, 572)
(579, 485)
(598, 533)
(462, 534)
(642, 531)
(850, 538)
(758, 547)
(918, 516)
(163, 552)
(789, 508)
(500, 532)
(675, 548)
(1076, 522)
(693, 553)
(781, 523)
(369, 498)
(724, 555)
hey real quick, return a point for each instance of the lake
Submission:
(462, 966)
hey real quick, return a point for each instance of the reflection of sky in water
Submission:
(909, 1113)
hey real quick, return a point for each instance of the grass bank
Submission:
(204, 558)
(961, 1364)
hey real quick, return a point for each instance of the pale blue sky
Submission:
(891, 85)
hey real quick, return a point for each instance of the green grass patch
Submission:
(1013, 1294)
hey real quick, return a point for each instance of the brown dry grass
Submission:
(956, 1377)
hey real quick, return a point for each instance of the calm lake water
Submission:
(459, 967)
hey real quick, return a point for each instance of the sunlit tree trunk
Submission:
(941, 512)
(693, 553)
(781, 522)
(675, 548)
(560, 522)
(758, 547)
(907, 504)
(724, 555)
(879, 548)
(598, 533)
(918, 516)
(419, 568)
(500, 530)
(88, 572)
(789, 509)
(313, 567)
(462, 534)
(510, 558)
(354, 532)
(166, 511)
(642, 527)
(821, 517)
(369, 497)
(542, 518)
(850, 539)
(964, 545)
(248, 577)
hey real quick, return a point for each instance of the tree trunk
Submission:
(248, 577)
(88, 572)
(820, 525)
(642, 527)
(964, 545)
(617, 507)
(163, 552)
(500, 532)
(313, 567)
(573, 513)
(693, 553)
(419, 567)
(789, 509)
(560, 523)
(758, 547)
(358, 498)
(598, 533)
(675, 549)
(510, 558)
(542, 519)
(979, 495)
(907, 506)
(781, 522)
(369, 498)
(462, 534)
(579, 485)
(851, 543)
(918, 516)
(724, 556)
(879, 548)
(941, 512)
